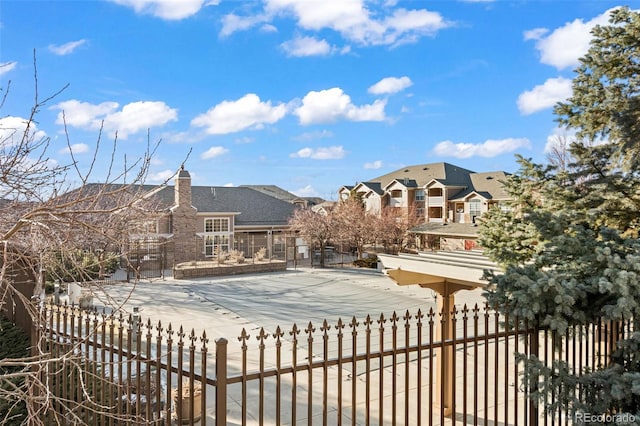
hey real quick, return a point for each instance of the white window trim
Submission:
(210, 236)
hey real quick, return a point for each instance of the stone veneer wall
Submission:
(185, 241)
(184, 220)
(202, 270)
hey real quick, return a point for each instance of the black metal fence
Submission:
(398, 369)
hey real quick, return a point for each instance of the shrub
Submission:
(81, 265)
(367, 262)
(236, 256)
(222, 257)
(14, 343)
(260, 254)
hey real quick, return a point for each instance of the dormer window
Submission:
(396, 193)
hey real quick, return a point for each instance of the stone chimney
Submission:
(183, 188)
(184, 220)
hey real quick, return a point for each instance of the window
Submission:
(208, 245)
(218, 236)
(505, 208)
(435, 212)
(396, 193)
(435, 192)
(216, 225)
(214, 244)
(475, 208)
(420, 195)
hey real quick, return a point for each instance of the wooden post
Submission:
(444, 377)
(221, 381)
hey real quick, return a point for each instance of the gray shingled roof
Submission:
(491, 182)
(374, 186)
(282, 194)
(407, 182)
(255, 207)
(274, 191)
(446, 173)
(489, 185)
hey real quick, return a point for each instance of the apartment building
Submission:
(446, 199)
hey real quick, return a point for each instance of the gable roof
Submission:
(274, 191)
(489, 185)
(255, 208)
(446, 173)
(492, 183)
(406, 182)
(283, 194)
(373, 186)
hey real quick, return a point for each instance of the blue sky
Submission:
(304, 94)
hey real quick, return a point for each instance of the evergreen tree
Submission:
(569, 242)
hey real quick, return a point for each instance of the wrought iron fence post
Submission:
(221, 381)
(534, 350)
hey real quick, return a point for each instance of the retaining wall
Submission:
(200, 270)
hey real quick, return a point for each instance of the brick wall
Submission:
(184, 221)
(201, 271)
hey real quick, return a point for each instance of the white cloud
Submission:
(161, 176)
(390, 85)
(561, 135)
(311, 136)
(84, 114)
(167, 9)
(12, 131)
(323, 153)
(132, 118)
(139, 116)
(408, 25)
(374, 165)
(232, 23)
(244, 140)
(352, 19)
(487, 149)
(190, 136)
(306, 46)
(213, 152)
(77, 148)
(535, 34)
(234, 116)
(563, 47)
(307, 191)
(544, 96)
(268, 28)
(155, 161)
(557, 137)
(327, 106)
(67, 48)
(6, 67)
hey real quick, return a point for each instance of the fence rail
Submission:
(395, 370)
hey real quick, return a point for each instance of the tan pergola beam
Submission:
(446, 276)
(443, 286)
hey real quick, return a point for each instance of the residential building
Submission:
(445, 198)
(202, 221)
